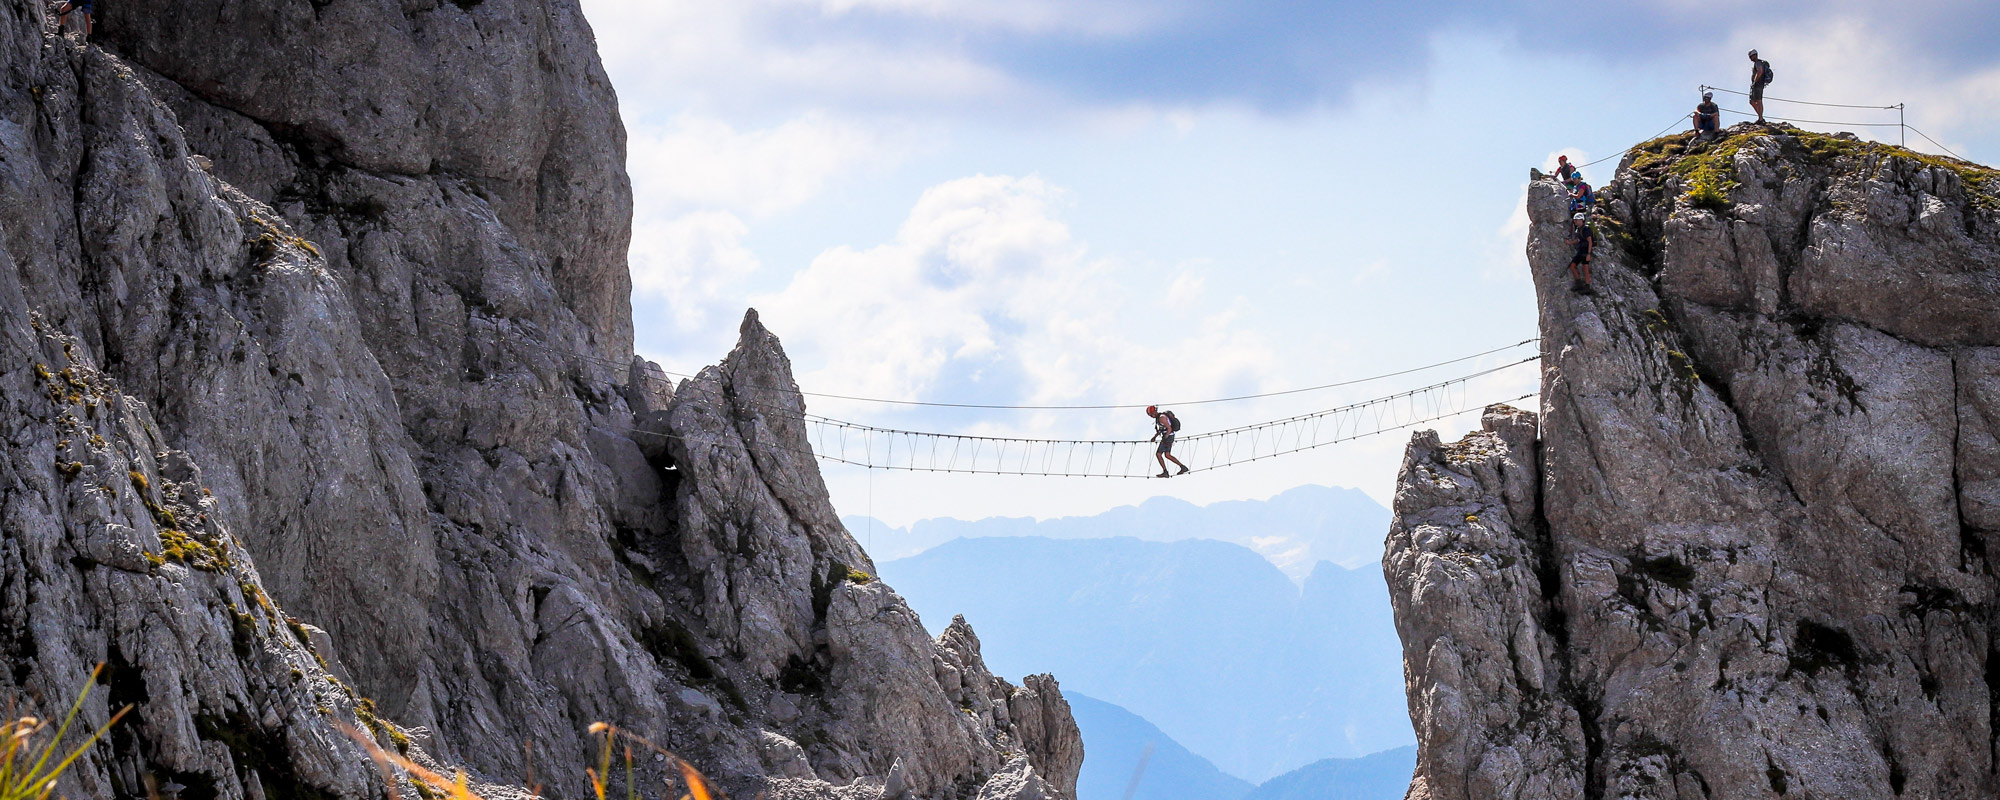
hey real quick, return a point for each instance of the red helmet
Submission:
(1152, 411)
(1562, 159)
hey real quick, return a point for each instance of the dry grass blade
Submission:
(20, 781)
(698, 787)
(455, 788)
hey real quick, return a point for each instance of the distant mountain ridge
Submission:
(1205, 639)
(1295, 530)
(1115, 742)
(1377, 776)
(1122, 745)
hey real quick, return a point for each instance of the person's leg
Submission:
(1177, 462)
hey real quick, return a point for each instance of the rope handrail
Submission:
(1940, 145)
(862, 427)
(1802, 102)
(1663, 132)
(919, 451)
(1099, 462)
(1079, 407)
(873, 447)
(1816, 121)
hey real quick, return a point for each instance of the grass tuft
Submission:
(430, 784)
(26, 771)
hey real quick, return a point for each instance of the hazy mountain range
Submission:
(1115, 745)
(1120, 746)
(1294, 530)
(1205, 639)
(1380, 776)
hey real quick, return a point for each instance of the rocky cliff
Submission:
(313, 316)
(1745, 551)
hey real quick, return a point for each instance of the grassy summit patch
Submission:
(1708, 168)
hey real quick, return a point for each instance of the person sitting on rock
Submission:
(1581, 237)
(84, 7)
(1760, 76)
(1165, 425)
(1707, 117)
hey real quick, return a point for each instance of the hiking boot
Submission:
(1576, 285)
(1163, 474)
(1184, 470)
(1589, 290)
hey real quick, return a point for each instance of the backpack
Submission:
(1769, 74)
(1175, 421)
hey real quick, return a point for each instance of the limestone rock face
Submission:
(1466, 565)
(1748, 555)
(322, 307)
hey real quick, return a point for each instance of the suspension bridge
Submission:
(875, 447)
(920, 451)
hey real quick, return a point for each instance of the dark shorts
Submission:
(1166, 445)
(1757, 93)
(84, 6)
(1704, 124)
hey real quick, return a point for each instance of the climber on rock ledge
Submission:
(86, 7)
(1579, 262)
(1566, 171)
(1580, 196)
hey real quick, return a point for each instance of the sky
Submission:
(1050, 202)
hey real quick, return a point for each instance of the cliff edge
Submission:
(321, 409)
(1744, 549)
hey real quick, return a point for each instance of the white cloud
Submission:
(696, 179)
(736, 56)
(688, 262)
(1507, 252)
(703, 162)
(1372, 272)
(1849, 59)
(984, 281)
(1186, 289)
(1116, 17)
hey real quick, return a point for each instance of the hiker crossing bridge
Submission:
(875, 447)
(920, 451)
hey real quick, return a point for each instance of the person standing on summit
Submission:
(1165, 425)
(1760, 76)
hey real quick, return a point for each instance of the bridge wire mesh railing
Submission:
(923, 451)
(875, 447)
